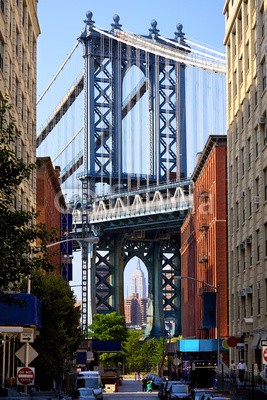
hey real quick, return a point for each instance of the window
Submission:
(22, 107)
(257, 197)
(250, 304)
(265, 183)
(241, 71)
(262, 21)
(2, 4)
(17, 42)
(17, 93)
(24, 14)
(249, 202)
(249, 152)
(1, 55)
(237, 214)
(258, 297)
(265, 239)
(238, 260)
(243, 207)
(257, 245)
(248, 110)
(243, 259)
(256, 142)
(247, 56)
(236, 169)
(242, 162)
(249, 254)
(263, 73)
(265, 134)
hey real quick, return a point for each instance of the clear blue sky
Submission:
(61, 22)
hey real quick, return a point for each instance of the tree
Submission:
(108, 327)
(18, 229)
(60, 335)
(140, 354)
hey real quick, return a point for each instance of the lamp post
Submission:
(161, 369)
(218, 307)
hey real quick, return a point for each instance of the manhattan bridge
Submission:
(137, 110)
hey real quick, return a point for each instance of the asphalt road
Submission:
(130, 390)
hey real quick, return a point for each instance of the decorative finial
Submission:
(179, 35)
(89, 23)
(116, 24)
(153, 31)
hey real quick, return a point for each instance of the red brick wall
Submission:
(209, 227)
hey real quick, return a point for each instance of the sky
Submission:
(61, 22)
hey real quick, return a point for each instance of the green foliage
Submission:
(18, 230)
(108, 327)
(140, 354)
(61, 334)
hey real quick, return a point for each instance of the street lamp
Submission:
(218, 304)
(169, 336)
(91, 239)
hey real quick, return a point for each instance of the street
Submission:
(130, 389)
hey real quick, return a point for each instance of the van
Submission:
(91, 380)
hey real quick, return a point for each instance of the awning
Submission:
(255, 341)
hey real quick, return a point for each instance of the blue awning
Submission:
(198, 345)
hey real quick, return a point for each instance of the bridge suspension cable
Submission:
(204, 47)
(193, 50)
(162, 50)
(58, 72)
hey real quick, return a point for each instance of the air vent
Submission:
(261, 120)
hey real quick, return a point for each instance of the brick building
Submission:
(204, 244)
(52, 211)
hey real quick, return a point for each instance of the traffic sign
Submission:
(25, 376)
(27, 335)
(21, 354)
(264, 354)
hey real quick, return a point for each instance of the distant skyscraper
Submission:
(135, 306)
(138, 285)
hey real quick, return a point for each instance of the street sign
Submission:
(25, 376)
(27, 335)
(264, 351)
(21, 354)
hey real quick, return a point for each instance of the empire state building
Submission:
(135, 306)
(138, 285)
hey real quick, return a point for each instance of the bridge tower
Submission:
(108, 57)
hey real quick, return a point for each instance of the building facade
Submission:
(19, 30)
(52, 212)
(204, 247)
(245, 41)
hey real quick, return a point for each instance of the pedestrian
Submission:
(144, 383)
(233, 370)
(139, 376)
(135, 376)
(241, 370)
(149, 386)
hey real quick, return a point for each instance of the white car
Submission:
(84, 394)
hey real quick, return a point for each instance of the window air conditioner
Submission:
(257, 199)
(261, 120)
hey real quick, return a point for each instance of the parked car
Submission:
(179, 391)
(157, 381)
(165, 388)
(199, 394)
(84, 394)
